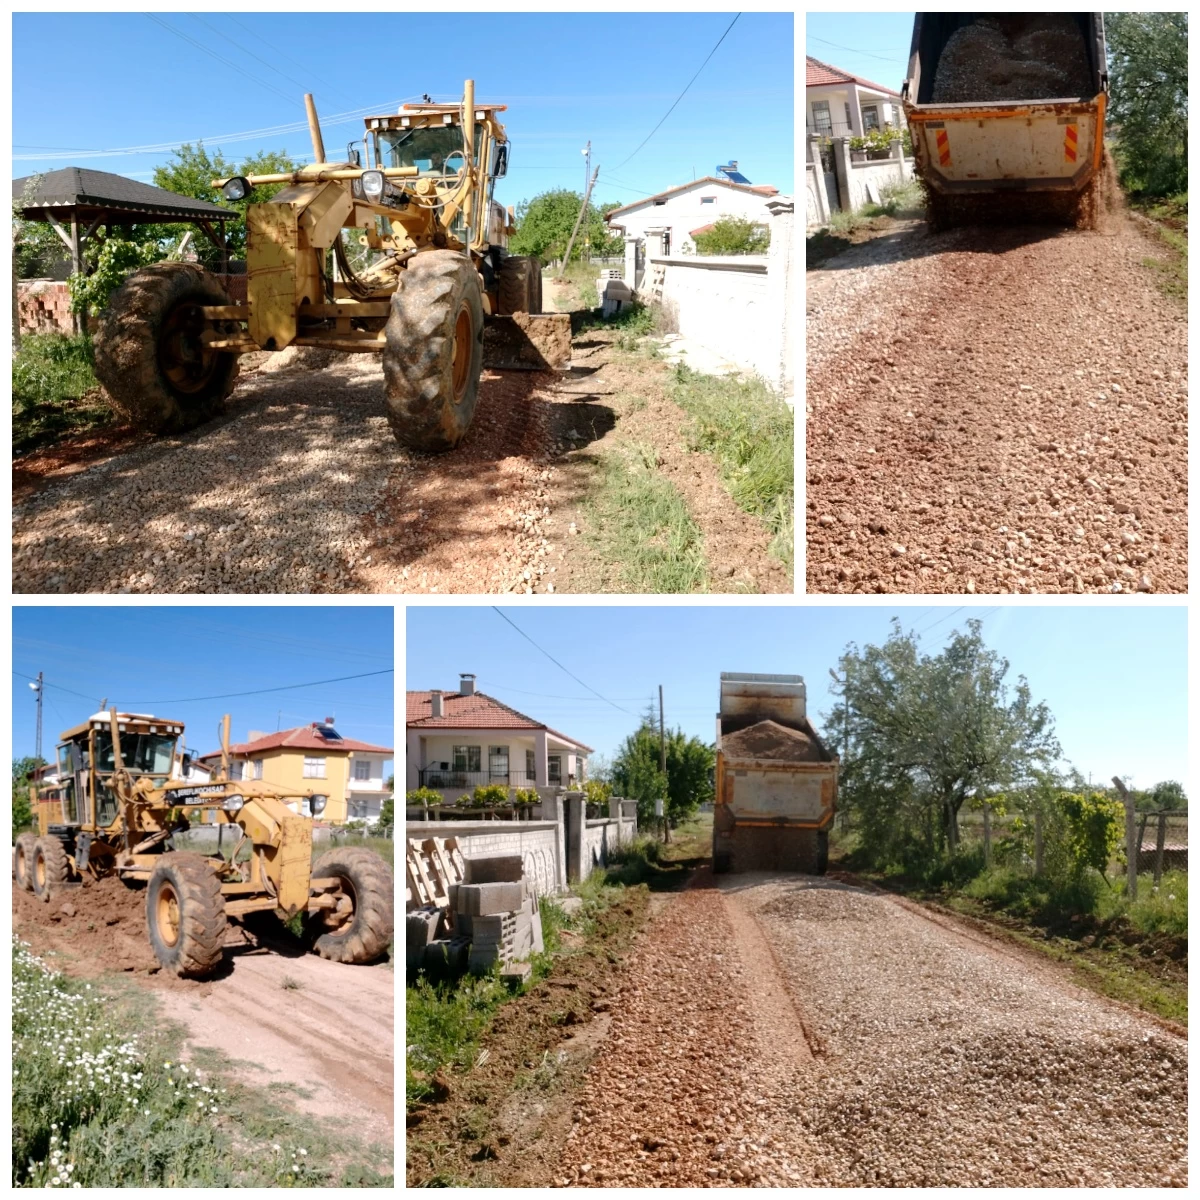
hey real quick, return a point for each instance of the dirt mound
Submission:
(1019, 56)
(770, 740)
(100, 924)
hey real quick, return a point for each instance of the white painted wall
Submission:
(537, 842)
(703, 203)
(426, 749)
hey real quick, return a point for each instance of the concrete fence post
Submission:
(841, 166)
(781, 292)
(551, 809)
(824, 208)
(614, 814)
(576, 829)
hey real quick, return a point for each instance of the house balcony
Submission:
(440, 778)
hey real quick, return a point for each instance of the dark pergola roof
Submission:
(87, 194)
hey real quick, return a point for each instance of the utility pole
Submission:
(662, 762)
(579, 220)
(39, 688)
(587, 173)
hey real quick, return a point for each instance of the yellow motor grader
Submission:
(114, 806)
(422, 209)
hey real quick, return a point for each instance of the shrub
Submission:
(733, 235)
(522, 797)
(424, 796)
(491, 794)
(1094, 824)
(596, 792)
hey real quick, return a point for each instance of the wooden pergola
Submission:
(76, 202)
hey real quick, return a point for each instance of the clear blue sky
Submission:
(873, 46)
(1115, 678)
(149, 659)
(566, 77)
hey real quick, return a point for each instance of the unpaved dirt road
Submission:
(327, 1037)
(302, 488)
(997, 411)
(784, 1031)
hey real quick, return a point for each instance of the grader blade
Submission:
(527, 342)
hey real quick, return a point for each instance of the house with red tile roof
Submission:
(351, 773)
(839, 104)
(462, 739)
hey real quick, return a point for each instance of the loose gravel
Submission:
(784, 1031)
(996, 411)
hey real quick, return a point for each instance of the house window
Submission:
(236, 770)
(314, 768)
(658, 203)
(554, 763)
(530, 765)
(822, 121)
(258, 768)
(849, 123)
(498, 762)
(708, 199)
(362, 769)
(468, 758)
(870, 116)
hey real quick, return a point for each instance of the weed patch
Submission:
(55, 393)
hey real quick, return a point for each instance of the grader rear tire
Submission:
(185, 915)
(23, 861)
(364, 933)
(434, 352)
(148, 352)
(520, 285)
(51, 867)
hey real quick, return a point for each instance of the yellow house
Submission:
(351, 773)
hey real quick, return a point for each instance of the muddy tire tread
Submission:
(520, 285)
(23, 861)
(202, 913)
(374, 918)
(58, 866)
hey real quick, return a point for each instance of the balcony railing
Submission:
(441, 777)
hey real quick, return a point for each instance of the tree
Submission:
(37, 248)
(637, 775)
(387, 812)
(544, 227)
(733, 235)
(1147, 69)
(1168, 794)
(926, 734)
(22, 811)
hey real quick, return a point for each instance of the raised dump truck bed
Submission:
(776, 782)
(1006, 112)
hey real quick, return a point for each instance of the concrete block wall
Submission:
(537, 842)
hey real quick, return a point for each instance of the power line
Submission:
(56, 686)
(289, 687)
(559, 665)
(684, 92)
(850, 50)
(275, 50)
(270, 66)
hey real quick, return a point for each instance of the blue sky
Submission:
(1115, 678)
(873, 46)
(149, 659)
(566, 78)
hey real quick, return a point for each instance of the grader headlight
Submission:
(233, 803)
(237, 188)
(317, 804)
(372, 185)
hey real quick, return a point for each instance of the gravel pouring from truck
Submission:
(1006, 112)
(776, 782)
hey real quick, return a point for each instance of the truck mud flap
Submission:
(527, 342)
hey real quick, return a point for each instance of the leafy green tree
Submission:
(733, 235)
(1148, 80)
(387, 812)
(544, 227)
(36, 246)
(22, 811)
(637, 774)
(1095, 822)
(1168, 794)
(928, 733)
(114, 260)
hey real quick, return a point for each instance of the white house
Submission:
(838, 104)
(366, 786)
(460, 740)
(679, 213)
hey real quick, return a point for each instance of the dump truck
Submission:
(1006, 114)
(430, 277)
(776, 782)
(113, 806)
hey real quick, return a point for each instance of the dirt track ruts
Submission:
(996, 411)
(871, 1047)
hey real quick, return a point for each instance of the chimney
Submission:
(330, 720)
(466, 684)
(435, 703)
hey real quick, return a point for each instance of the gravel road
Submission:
(783, 1031)
(996, 411)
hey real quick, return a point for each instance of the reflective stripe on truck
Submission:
(943, 147)
(1070, 145)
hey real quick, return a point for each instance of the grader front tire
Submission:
(23, 861)
(149, 354)
(185, 915)
(363, 932)
(51, 867)
(520, 285)
(434, 352)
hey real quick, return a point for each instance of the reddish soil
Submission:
(770, 740)
(995, 411)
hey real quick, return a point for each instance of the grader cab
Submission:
(114, 806)
(400, 250)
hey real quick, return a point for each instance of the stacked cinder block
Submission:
(494, 908)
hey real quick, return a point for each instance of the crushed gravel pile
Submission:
(947, 1060)
(1021, 56)
(996, 411)
(770, 740)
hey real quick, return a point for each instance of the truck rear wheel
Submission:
(185, 915)
(360, 929)
(434, 352)
(148, 350)
(520, 285)
(51, 867)
(23, 861)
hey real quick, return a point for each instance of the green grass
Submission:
(750, 431)
(53, 391)
(101, 1099)
(583, 275)
(1170, 218)
(896, 200)
(641, 525)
